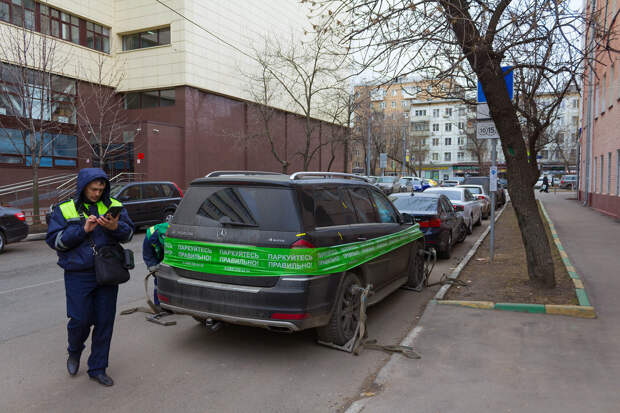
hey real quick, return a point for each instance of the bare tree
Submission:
(462, 41)
(304, 72)
(478, 148)
(34, 97)
(102, 121)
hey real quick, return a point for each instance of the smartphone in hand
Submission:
(115, 211)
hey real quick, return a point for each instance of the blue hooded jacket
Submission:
(68, 237)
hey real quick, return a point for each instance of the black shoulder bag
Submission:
(112, 263)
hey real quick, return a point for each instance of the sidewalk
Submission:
(494, 361)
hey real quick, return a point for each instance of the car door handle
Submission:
(362, 239)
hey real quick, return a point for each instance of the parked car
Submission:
(13, 226)
(568, 181)
(431, 182)
(500, 194)
(464, 203)
(449, 183)
(286, 253)
(480, 193)
(147, 203)
(441, 225)
(411, 184)
(389, 184)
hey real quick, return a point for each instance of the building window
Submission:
(448, 127)
(394, 92)
(435, 113)
(420, 126)
(97, 37)
(39, 102)
(461, 140)
(435, 156)
(448, 141)
(435, 127)
(460, 156)
(435, 141)
(58, 150)
(448, 112)
(602, 169)
(461, 125)
(461, 111)
(149, 38)
(609, 173)
(406, 115)
(382, 105)
(150, 99)
(404, 103)
(420, 112)
(447, 156)
(393, 104)
(575, 103)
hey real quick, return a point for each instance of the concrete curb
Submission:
(583, 310)
(457, 271)
(35, 237)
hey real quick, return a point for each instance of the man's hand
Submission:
(90, 224)
(108, 222)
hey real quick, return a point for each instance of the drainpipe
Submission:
(590, 114)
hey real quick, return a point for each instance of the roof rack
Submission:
(300, 175)
(248, 173)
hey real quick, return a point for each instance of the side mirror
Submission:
(407, 219)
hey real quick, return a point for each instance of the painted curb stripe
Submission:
(571, 310)
(484, 305)
(573, 275)
(582, 296)
(526, 308)
(578, 283)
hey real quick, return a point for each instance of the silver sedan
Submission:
(464, 203)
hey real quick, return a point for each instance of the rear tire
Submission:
(447, 251)
(463, 233)
(470, 227)
(2, 241)
(479, 222)
(416, 265)
(345, 317)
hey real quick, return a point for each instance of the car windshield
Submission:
(474, 190)
(386, 179)
(405, 181)
(415, 203)
(452, 195)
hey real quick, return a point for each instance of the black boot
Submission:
(73, 364)
(103, 379)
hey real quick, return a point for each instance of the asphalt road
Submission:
(183, 367)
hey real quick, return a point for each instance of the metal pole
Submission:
(492, 239)
(404, 153)
(368, 149)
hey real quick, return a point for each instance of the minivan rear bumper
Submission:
(294, 303)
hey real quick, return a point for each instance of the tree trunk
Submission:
(35, 193)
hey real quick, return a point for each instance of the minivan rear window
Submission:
(254, 207)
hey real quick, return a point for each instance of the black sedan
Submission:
(13, 226)
(441, 225)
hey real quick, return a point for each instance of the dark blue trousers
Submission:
(90, 305)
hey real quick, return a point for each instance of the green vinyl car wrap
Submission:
(258, 261)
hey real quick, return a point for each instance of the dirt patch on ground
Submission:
(505, 280)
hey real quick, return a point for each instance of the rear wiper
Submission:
(228, 221)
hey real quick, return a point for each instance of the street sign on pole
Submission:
(383, 160)
(493, 178)
(508, 78)
(485, 129)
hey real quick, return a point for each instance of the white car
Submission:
(480, 193)
(464, 203)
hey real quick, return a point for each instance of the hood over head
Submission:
(86, 176)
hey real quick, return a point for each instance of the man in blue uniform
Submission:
(73, 225)
(153, 251)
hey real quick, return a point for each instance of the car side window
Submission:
(151, 191)
(384, 208)
(363, 205)
(133, 193)
(331, 207)
(446, 207)
(166, 190)
(468, 196)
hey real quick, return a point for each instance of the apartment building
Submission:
(599, 143)
(186, 102)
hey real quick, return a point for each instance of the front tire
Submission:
(462, 232)
(345, 317)
(447, 251)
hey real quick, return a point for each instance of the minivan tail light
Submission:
(459, 208)
(432, 223)
(302, 243)
(20, 216)
(178, 189)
